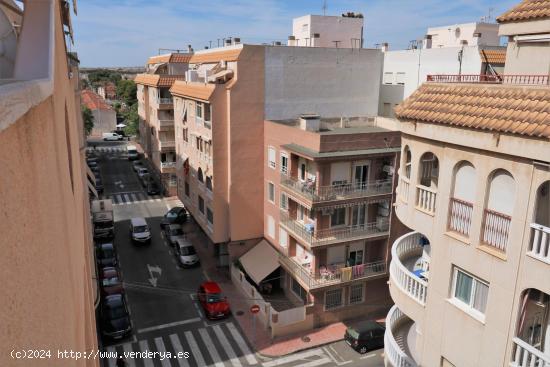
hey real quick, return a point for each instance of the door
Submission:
(359, 215)
(361, 176)
(355, 257)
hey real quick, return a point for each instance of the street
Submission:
(165, 314)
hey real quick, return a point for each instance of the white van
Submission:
(112, 136)
(132, 152)
(139, 230)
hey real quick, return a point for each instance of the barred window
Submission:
(355, 293)
(333, 299)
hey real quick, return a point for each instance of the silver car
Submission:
(139, 230)
(186, 253)
(173, 233)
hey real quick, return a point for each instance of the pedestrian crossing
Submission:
(122, 198)
(106, 149)
(220, 345)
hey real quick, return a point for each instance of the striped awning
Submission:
(350, 204)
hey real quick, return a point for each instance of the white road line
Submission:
(144, 347)
(175, 340)
(162, 349)
(134, 197)
(368, 356)
(242, 344)
(172, 324)
(111, 362)
(227, 347)
(127, 197)
(128, 349)
(295, 357)
(211, 348)
(317, 362)
(195, 351)
(114, 198)
(334, 356)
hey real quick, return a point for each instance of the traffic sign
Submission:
(254, 309)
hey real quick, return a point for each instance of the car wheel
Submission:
(363, 350)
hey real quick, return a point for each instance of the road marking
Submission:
(154, 269)
(111, 362)
(172, 324)
(114, 199)
(134, 197)
(162, 349)
(128, 349)
(295, 357)
(195, 351)
(242, 344)
(144, 347)
(368, 356)
(175, 340)
(127, 197)
(211, 348)
(336, 358)
(227, 347)
(317, 362)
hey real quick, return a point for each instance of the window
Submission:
(301, 213)
(153, 131)
(270, 226)
(185, 135)
(271, 192)
(200, 175)
(333, 299)
(388, 78)
(355, 294)
(298, 290)
(209, 216)
(400, 78)
(271, 157)
(163, 157)
(470, 291)
(209, 183)
(198, 110)
(207, 112)
(201, 204)
(187, 189)
(284, 163)
(303, 172)
(283, 238)
(338, 217)
(284, 201)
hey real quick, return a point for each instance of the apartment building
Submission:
(345, 31)
(468, 34)
(469, 281)
(219, 116)
(156, 114)
(47, 262)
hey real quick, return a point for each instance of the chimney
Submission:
(427, 42)
(477, 38)
(310, 122)
(189, 48)
(385, 47)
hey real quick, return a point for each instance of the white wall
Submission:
(328, 81)
(453, 35)
(104, 121)
(330, 29)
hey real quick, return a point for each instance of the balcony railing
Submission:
(167, 164)
(332, 235)
(525, 355)
(166, 100)
(404, 185)
(167, 144)
(341, 274)
(166, 123)
(460, 216)
(491, 79)
(539, 248)
(425, 198)
(394, 353)
(336, 192)
(405, 247)
(496, 227)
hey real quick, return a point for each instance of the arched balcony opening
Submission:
(405, 177)
(539, 247)
(426, 188)
(463, 196)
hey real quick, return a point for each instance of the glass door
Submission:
(361, 176)
(359, 215)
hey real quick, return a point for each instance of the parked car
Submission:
(186, 253)
(99, 185)
(139, 230)
(153, 188)
(112, 137)
(137, 165)
(213, 302)
(115, 317)
(106, 255)
(176, 215)
(173, 232)
(132, 152)
(145, 179)
(108, 272)
(111, 285)
(365, 336)
(142, 171)
(91, 159)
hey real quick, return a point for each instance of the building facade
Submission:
(104, 115)
(468, 34)
(344, 31)
(468, 280)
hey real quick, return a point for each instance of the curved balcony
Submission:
(400, 333)
(407, 253)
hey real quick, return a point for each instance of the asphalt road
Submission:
(161, 296)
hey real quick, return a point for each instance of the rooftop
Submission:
(335, 126)
(94, 101)
(157, 80)
(526, 10)
(173, 58)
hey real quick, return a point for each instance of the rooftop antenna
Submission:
(324, 7)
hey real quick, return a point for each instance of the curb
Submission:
(300, 350)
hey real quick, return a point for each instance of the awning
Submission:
(260, 261)
(92, 189)
(90, 174)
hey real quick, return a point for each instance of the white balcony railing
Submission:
(168, 164)
(425, 198)
(166, 100)
(393, 351)
(525, 355)
(460, 216)
(166, 123)
(404, 186)
(539, 248)
(167, 144)
(403, 248)
(496, 227)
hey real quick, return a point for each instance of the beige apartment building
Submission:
(470, 279)
(156, 114)
(47, 262)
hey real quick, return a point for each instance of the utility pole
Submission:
(324, 7)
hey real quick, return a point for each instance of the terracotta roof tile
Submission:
(493, 56)
(216, 56)
(193, 90)
(521, 110)
(157, 80)
(171, 58)
(527, 10)
(93, 101)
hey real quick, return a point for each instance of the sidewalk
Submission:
(259, 338)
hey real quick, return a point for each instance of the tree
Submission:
(126, 91)
(88, 118)
(132, 120)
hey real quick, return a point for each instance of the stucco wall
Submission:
(329, 28)
(527, 58)
(104, 121)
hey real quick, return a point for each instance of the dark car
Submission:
(115, 318)
(99, 185)
(173, 232)
(213, 303)
(153, 188)
(111, 285)
(108, 272)
(106, 255)
(365, 336)
(176, 215)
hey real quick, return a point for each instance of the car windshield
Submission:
(176, 232)
(140, 229)
(353, 333)
(188, 250)
(116, 312)
(214, 297)
(107, 252)
(110, 282)
(102, 225)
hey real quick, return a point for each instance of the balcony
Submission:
(404, 187)
(460, 216)
(409, 268)
(400, 333)
(167, 145)
(308, 190)
(333, 235)
(525, 355)
(166, 124)
(425, 199)
(495, 230)
(491, 79)
(340, 274)
(165, 100)
(539, 248)
(167, 167)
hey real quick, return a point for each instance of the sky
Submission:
(127, 32)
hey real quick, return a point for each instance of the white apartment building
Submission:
(470, 280)
(470, 34)
(344, 31)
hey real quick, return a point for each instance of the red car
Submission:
(214, 304)
(110, 281)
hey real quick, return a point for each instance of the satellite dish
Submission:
(8, 46)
